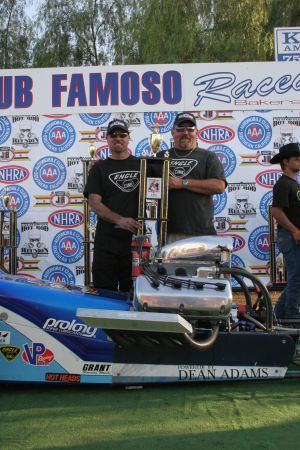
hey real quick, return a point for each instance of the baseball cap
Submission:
(181, 117)
(116, 123)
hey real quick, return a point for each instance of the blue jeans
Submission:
(288, 304)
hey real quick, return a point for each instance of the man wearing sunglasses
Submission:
(112, 191)
(286, 211)
(196, 175)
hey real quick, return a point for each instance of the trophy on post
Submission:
(8, 232)
(88, 228)
(155, 188)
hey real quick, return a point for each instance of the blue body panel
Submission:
(42, 340)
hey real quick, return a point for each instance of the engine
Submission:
(181, 278)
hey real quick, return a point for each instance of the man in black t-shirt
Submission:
(196, 175)
(286, 211)
(112, 191)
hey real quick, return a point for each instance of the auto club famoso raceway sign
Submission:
(48, 117)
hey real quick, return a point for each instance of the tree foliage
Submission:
(15, 35)
(76, 32)
(198, 31)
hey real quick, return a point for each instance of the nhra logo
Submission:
(19, 200)
(37, 355)
(49, 173)
(103, 152)
(72, 328)
(179, 168)
(220, 201)
(9, 352)
(94, 119)
(215, 133)
(143, 145)
(127, 181)
(255, 132)
(7, 154)
(268, 178)
(59, 274)
(226, 156)
(58, 136)
(66, 219)
(5, 129)
(67, 246)
(13, 174)
(258, 243)
(238, 242)
(264, 203)
(164, 119)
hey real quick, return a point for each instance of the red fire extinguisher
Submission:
(146, 245)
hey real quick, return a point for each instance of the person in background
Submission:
(286, 211)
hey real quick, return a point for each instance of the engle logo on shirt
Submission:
(127, 181)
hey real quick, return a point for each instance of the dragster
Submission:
(179, 324)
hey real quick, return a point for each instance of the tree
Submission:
(15, 35)
(164, 31)
(76, 32)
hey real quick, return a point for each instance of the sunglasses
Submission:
(181, 129)
(121, 135)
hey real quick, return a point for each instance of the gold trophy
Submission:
(6, 199)
(87, 227)
(155, 139)
(92, 149)
(8, 231)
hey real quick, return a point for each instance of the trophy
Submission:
(154, 188)
(155, 139)
(6, 199)
(8, 230)
(92, 149)
(88, 228)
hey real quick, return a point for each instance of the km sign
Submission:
(287, 44)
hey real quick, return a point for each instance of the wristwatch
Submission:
(184, 184)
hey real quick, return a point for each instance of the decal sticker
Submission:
(63, 377)
(37, 355)
(4, 337)
(10, 352)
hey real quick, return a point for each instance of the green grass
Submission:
(243, 415)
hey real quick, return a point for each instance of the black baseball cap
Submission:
(116, 123)
(181, 117)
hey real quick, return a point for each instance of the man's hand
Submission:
(129, 224)
(175, 183)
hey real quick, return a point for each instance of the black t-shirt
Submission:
(117, 181)
(286, 194)
(190, 212)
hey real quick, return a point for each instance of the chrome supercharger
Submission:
(182, 278)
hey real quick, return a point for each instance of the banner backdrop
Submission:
(159, 87)
(41, 165)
